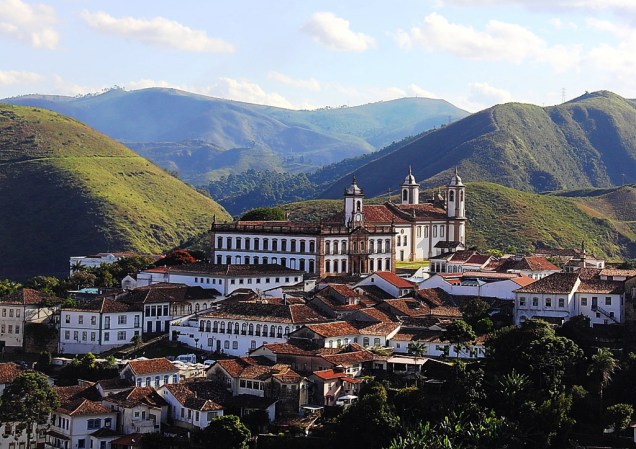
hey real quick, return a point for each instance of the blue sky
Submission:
(311, 54)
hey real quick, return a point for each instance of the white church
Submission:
(363, 238)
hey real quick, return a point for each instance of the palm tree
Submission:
(417, 350)
(602, 367)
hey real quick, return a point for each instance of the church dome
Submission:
(353, 189)
(456, 180)
(410, 179)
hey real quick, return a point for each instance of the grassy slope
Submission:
(499, 217)
(66, 190)
(588, 142)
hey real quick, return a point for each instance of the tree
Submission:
(7, 287)
(45, 284)
(226, 432)
(601, 369)
(176, 257)
(459, 333)
(28, 401)
(265, 214)
(136, 341)
(618, 416)
(417, 350)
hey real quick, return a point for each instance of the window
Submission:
(67, 318)
(584, 301)
(608, 300)
(522, 301)
(76, 335)
(548, 302)
(235, 345)
(121, 319)
(435, 231)
(226, 344)
(425, 232)
(535, 302)
(81, 444)
(441, 231)
(80, 319)
(121, 335)
(106, 336)
(17, 313)
(93, 320)
(365, 341)
(253, 344)
(561, 302)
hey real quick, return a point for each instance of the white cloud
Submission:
(415, 90)
(559, 24)
(310, 84)
(29, 23)
(242, 90)
(589, 5)
(158, 31)
(12, 77)
(334, 33)
(500, 41)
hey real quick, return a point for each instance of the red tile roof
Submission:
(137, 395)
(333, 329)
(264, 311)
(151, 366)
(618, 272)
(8, 372)
(188, 398)
(395, 280)
(105, 305)
(601, 287)
(26, 296)
(554, 283)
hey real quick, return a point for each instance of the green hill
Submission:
(500, 217)
(587, 142)
(67, 190)
(204, 138)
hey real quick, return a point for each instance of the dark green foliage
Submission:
(28, 400)
(369, 423)
(618, 416)
(226, 432)
(86, 368)
(159, 441)
(46, 284)
(459, 333)
(475, 310)
(265, 214)
(8, 286)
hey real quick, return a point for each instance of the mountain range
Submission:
(68, 190)
(202, 138)
(587, 142)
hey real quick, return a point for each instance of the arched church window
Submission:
(461, 195)
(405, 195)
(358, 205)
(451, 195)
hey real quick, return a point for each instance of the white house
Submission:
(480, 284)
(389, 282)
(80, 418)
(338, 333)
(98, 325)
(434, 345)
(19, 309)
(140, 410)
(150, 372)
(191, 405)
(236, 327)
(95, 260)
(225, 279)
(536, 267)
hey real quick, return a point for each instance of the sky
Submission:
(302, 54)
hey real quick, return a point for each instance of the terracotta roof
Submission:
(375, 314)
(257, 311)
(434, 297)
(247, 367)
(427, 336)
(600, 286)
(618, 272)
(150, 366)
(349, 358)
(344, 290)
(407, 307)
(377, 328)
(164, 292)
(79, 400)
(133, 439)
(489, 275)
(374, 292)
(381, 214)
(554, 283)
(293, 347)
(330, 374)
(523, 280)
(333, 329)
(394, 279)
(190, 399)
(137, 395)
(534, 263)
(285, 374)
(27, 296)
(477, 259)
(8, 372)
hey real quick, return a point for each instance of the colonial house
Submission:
(225, 279)
(80, 419)
(331, 384)
(392, 284)
(150, 372)
(535, 267)
(459, 261)
(259, 376)
(192, 405)
(164, 302)
(19, 309)
(98, 325)
(140, 410)
(338, 333)
(362, 239)
(478, 284)
(339, 301)
(433, 344)
(236, 327)
(306, 357)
